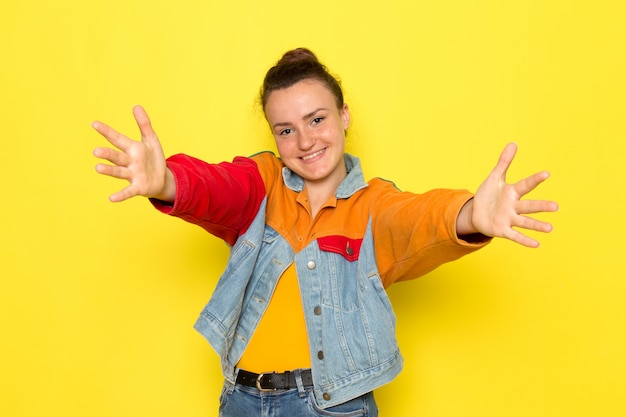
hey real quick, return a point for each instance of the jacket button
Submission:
(317, 310)
(320, 355)
(349, 250)
(326, 396)
(310, 265)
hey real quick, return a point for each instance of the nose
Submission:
(306, 140)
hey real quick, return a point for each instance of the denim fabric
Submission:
(350, 322)
(243, 401)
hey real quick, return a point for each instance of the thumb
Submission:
(143, 121)
(504, 162)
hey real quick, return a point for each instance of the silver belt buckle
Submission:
(258, 384)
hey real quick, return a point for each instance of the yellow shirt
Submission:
(280, 341)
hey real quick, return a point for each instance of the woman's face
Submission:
(309, 131)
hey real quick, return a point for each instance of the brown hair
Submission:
(297, 65)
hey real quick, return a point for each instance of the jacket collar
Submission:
(353, 182)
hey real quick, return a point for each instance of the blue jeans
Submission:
(243, 401)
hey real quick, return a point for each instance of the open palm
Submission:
(141, 163)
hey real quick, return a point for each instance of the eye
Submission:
(317, 120)
(285, 132)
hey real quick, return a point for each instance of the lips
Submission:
(313, 155)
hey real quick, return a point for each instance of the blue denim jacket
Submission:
(350, 322)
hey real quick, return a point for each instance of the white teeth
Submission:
(306, 158)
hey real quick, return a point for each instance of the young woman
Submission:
(313, 246)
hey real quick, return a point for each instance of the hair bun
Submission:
(298, 55)
(297, 65)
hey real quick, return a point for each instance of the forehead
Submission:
(299, 99)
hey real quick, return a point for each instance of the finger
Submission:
(526, 185)
(114, 171)
(504, 162)
(123, 194)
(143, 121)
(111, 155)
(522, 239)
(529, 223)
(113, 136)
(536, 206)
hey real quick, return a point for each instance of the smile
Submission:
(313, 155)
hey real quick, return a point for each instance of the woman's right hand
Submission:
(142, 164)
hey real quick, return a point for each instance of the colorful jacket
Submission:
(368, 236)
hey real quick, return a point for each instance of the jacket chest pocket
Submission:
(350, 249)
(342, 279)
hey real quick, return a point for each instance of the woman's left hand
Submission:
(497, 209)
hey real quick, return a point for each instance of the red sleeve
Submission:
(221, 198)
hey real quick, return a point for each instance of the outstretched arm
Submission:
(142, 163)
(497, 209)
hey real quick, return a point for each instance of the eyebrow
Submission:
(306, 116)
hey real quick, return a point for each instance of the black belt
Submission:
(271, 381)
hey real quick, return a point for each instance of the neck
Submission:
(320, 191)
(317, 198)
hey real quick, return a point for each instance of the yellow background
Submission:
(97, 300)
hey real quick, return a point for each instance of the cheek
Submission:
(283, 147)
(334, 134)
(328, 133)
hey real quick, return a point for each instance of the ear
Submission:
(345, 116)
